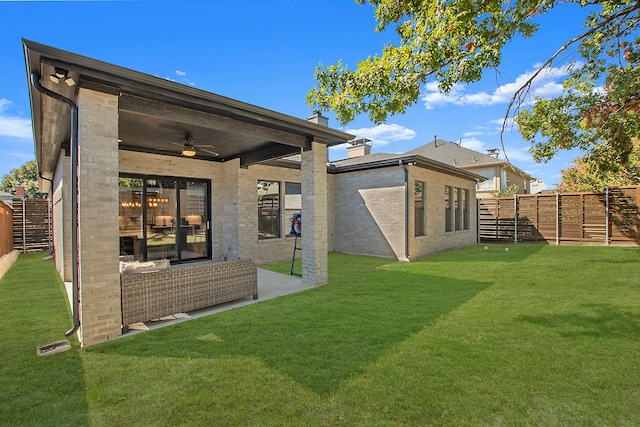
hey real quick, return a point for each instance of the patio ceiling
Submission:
(155, 115)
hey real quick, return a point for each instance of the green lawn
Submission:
(537, 335)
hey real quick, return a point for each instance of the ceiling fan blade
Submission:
(208, 151)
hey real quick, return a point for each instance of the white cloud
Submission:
(13, 126)
(472, 133)
(519, 155)
(182, 78)
(473, 144)
(384, 134)
(544, 85)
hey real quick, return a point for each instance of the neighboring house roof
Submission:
(456, 155)
(7, 197)
(378, 160)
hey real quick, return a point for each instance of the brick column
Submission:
(99, 277)
(314, 215)
(232, 216)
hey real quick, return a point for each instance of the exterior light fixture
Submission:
(188, 150)
(62, 74)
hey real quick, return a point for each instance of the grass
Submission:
(538, 335)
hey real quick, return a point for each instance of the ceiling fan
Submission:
(189, 148)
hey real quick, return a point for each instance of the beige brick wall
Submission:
(436, 239)
(314, 215)
(369, 212)
(331, 212)
(99, 277)
(268, 250)
(61, 207)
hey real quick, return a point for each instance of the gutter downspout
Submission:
(49, 208)
(35, 81)
(406, 211)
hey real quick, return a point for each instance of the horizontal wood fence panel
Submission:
(31, 224)
(610, 217)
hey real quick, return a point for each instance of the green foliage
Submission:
(454, 41)
(599, 109)
(586, 175)
(510, 191)
(27, 176)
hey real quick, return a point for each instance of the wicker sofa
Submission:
(151, 295)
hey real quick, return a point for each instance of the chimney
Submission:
(493, 152)
(20, 191)
(318, 118)
(358, 148)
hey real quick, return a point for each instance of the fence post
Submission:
(515, 219)
(606, 220)
(557, 218)
(49, 225)
(24, 227)
(477, 220)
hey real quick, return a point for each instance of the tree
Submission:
(26, 176)
(584, 175)
(454, 41)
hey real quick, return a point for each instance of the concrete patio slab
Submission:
(270, 285)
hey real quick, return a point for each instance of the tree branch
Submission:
(522, 92)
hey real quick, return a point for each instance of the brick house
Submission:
(143, 167)
(499, 175)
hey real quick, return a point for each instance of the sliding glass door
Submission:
(165, 218)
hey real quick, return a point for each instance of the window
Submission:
(448, 208)
(268, 209)
(164, 218)
(465, 210)
(489, 184)
(292, 199)
(458, 209)
(420, 197)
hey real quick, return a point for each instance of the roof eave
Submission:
(416, 160)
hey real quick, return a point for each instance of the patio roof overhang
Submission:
(155, 115)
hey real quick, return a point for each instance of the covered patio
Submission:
(100, 128)
(270, 285)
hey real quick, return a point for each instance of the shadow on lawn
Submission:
(320, 337)
(596, 320)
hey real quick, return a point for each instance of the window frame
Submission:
(144, 215)
(262, 236)
(420, 227)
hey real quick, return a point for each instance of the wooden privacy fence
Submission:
(31, 224)
(609, 218)
(6, 228)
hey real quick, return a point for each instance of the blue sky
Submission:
(264, 53)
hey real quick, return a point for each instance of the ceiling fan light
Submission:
(188, 150)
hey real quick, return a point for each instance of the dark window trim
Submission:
(178, 179)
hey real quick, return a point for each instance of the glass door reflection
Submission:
(161, 224)
(193, 232)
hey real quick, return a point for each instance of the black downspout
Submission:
(407, 194)
(50, 209)
(35, 80)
